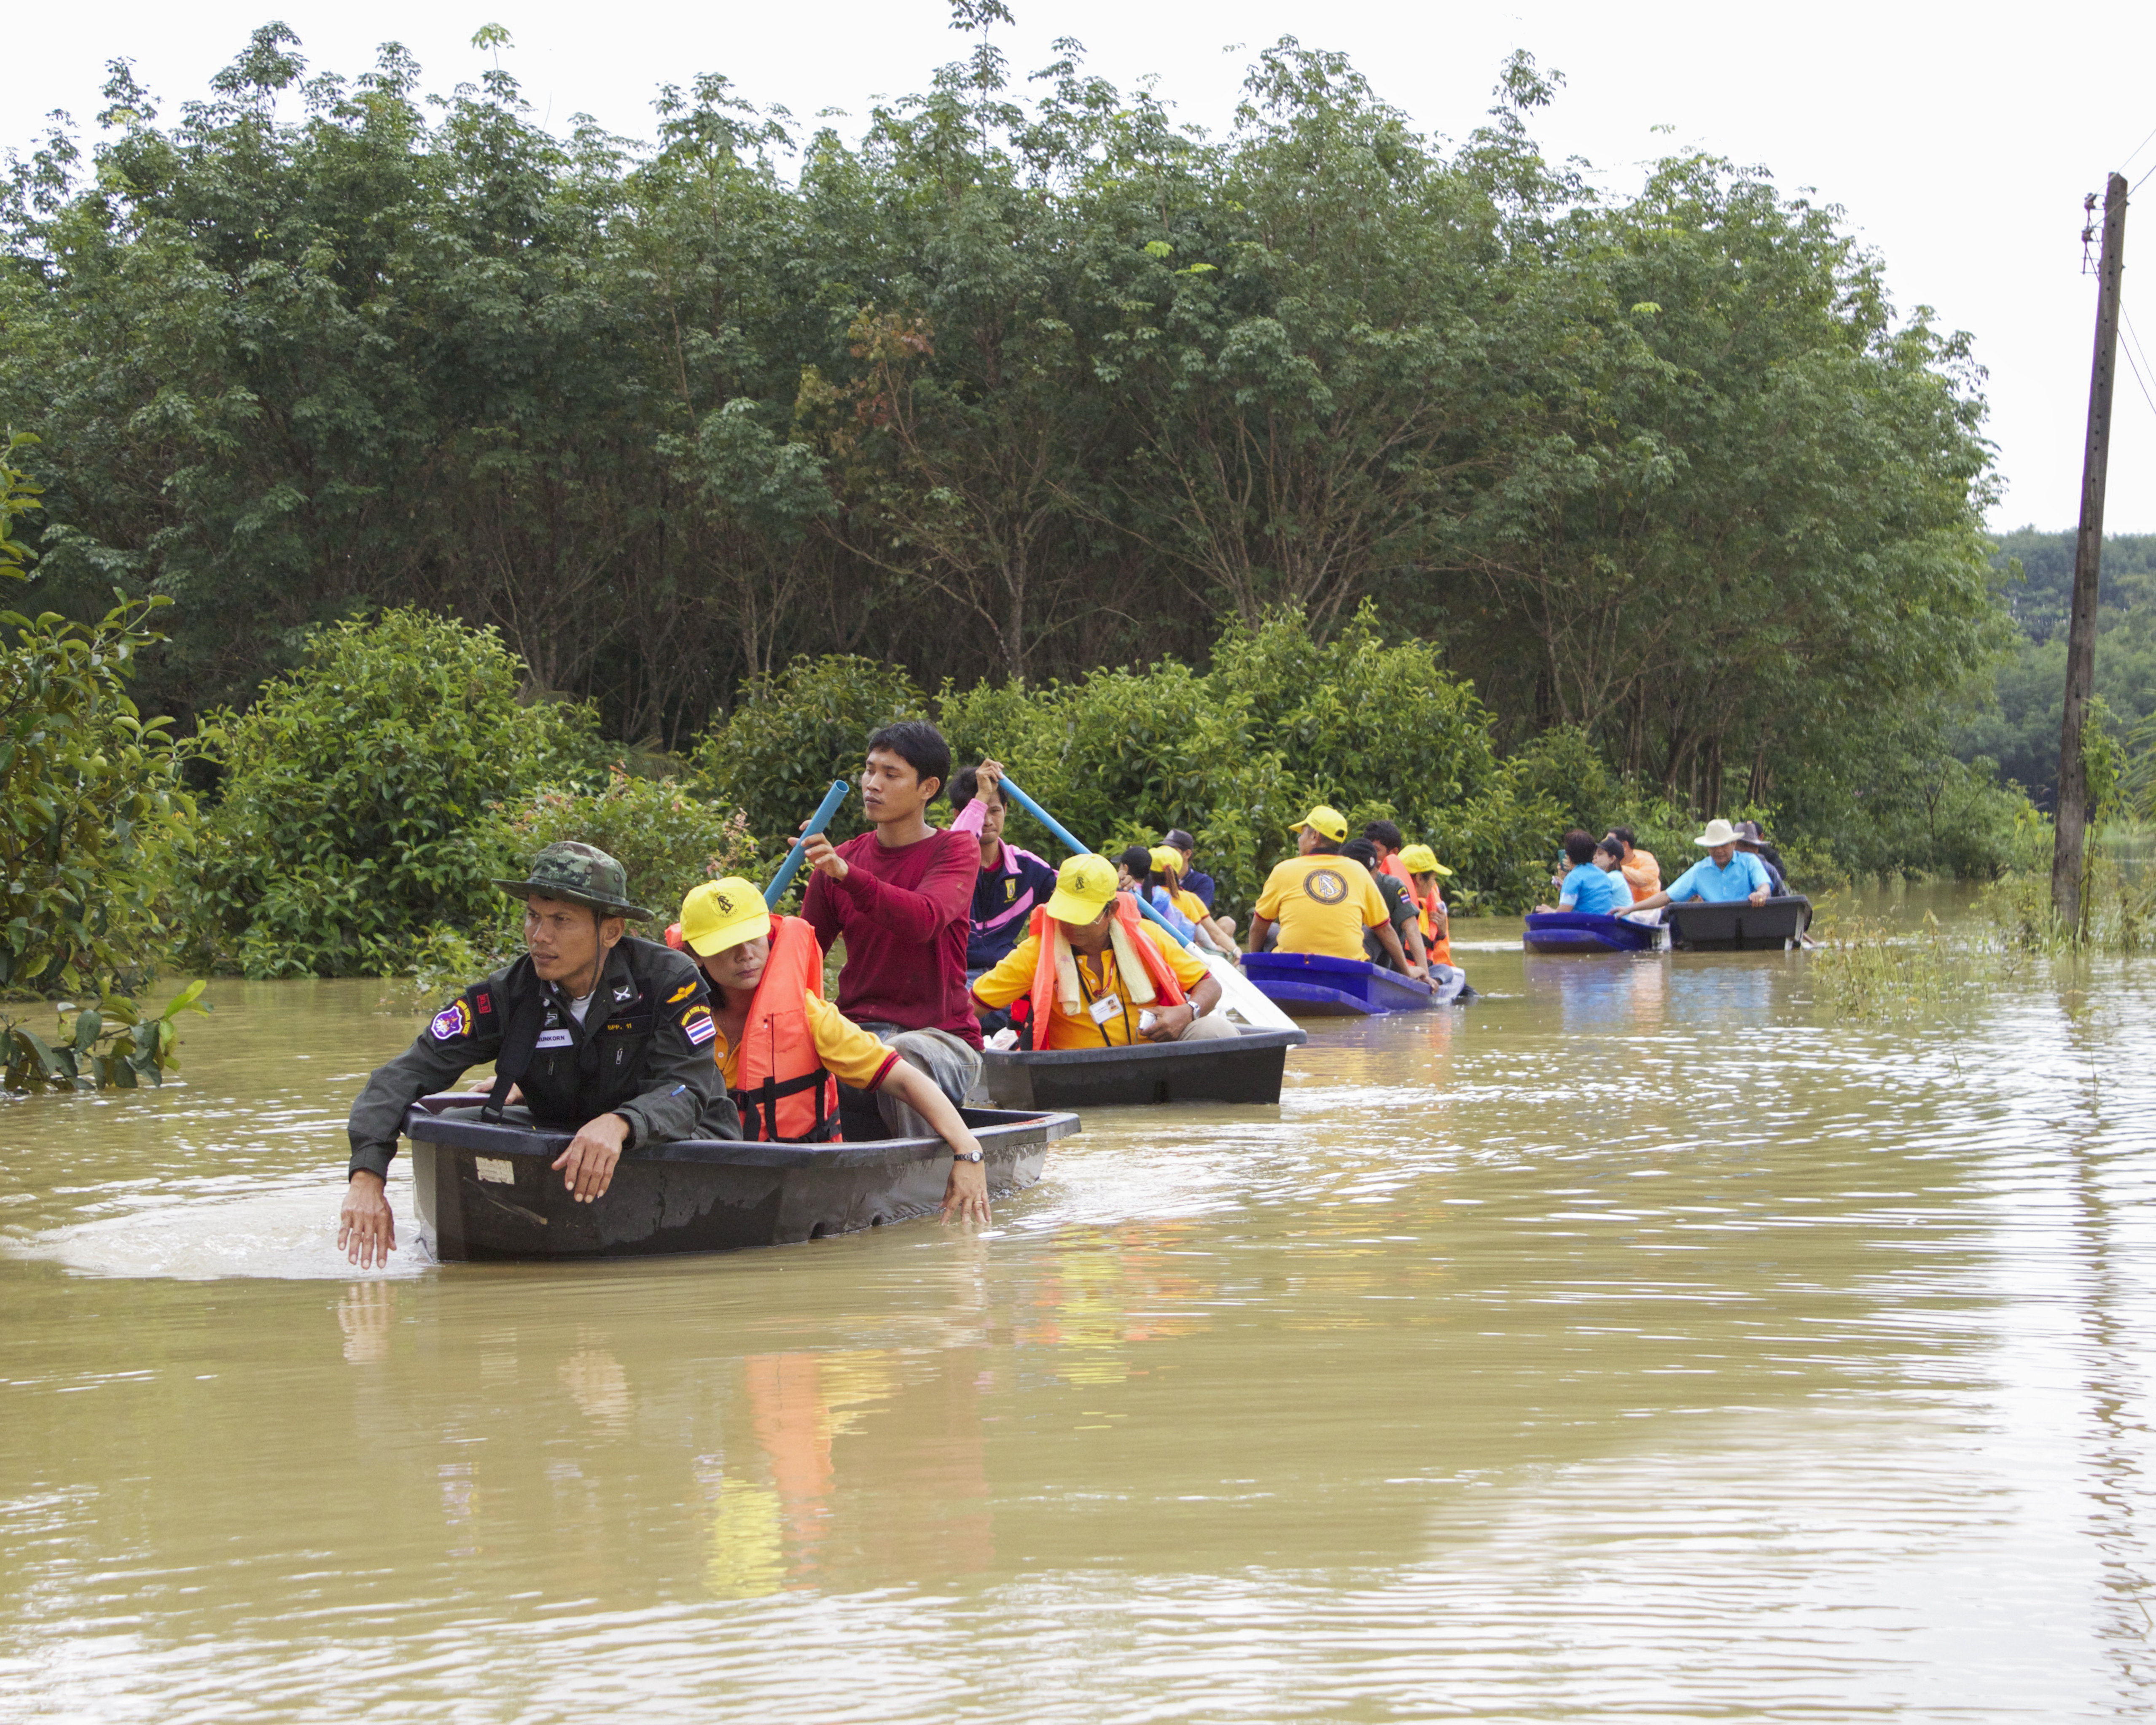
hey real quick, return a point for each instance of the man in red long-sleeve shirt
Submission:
(902, 896)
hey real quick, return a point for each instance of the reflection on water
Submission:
(1637, 1341)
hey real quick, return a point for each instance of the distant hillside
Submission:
(2019, 728)
(2040, 599)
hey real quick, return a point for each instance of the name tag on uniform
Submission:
(554, 1039)
(1105, 1008)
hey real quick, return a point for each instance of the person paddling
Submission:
(901, 896)
(1094, 975)
(783, 1049)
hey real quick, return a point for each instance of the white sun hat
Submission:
(1718, 832)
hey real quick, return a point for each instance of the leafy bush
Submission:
(667, 840)
(89, 801)
(353, 810)
(1237, 754)
(775, 756)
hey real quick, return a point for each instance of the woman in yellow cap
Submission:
(1425, 871)
(1094, 975)
(781, 1044)
(1167, 866)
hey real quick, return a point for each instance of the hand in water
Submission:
(966, 1194)
(587, 1164)
(366, 1231)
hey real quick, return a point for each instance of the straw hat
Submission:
(1718, 832)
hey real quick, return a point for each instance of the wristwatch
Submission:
(956, 1156)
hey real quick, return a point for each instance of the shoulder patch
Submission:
(483, 1003)
(451, 1021)
(697, 1026)
(682, 994)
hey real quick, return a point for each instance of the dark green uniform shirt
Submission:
(643, 1052)
(1400, 911)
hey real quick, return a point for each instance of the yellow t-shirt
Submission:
(1188, 902)
(848, 1052)
(1322, 903)
(1098, 979)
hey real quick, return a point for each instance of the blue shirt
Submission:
(1004, 897)
(1174, 918)
(1202, 884)
(1744, 876)
(1595, 894)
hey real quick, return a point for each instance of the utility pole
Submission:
(2072, 833)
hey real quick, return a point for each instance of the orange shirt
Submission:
(1642, 874)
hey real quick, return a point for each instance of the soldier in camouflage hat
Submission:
(592, 1029)
(578, 875)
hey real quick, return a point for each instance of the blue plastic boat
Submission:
(1311, 986)
(1578, 931)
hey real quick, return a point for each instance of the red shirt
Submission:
(905, 914)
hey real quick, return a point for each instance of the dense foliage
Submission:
(90, 801)
(2018, 725)
(356, 804)
(999, 391)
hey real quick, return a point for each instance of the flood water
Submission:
(1637, 1342)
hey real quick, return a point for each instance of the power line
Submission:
(2136, 369)
(2135, 151)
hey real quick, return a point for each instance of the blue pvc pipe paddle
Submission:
(1062, 832)
(816, 822)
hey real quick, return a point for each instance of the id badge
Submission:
(1105, 1008)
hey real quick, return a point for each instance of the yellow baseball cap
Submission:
(1326, 823)
(1421, 859)
(1083, 884)
(1167, 859)
(720, 915)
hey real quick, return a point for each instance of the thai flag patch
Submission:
(697, 1026)
(452, 1021)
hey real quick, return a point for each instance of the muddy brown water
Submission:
(1639, 1341)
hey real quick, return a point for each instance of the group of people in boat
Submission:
(1613, 876)
(722, 1029)
(951, 936)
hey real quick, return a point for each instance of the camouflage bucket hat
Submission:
(577, 875)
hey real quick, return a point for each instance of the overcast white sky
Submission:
(1959, 139)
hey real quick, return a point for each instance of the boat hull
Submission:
(1773, 926)
(1310, 985)
(489, 1193)
(1247, 1070)
(1576, 932)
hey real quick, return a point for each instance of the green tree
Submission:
(89, 801)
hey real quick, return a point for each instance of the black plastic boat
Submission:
(1247, 1070)
(1742, 926)
(488, 1192)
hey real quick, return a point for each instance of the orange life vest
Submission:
(1440, 952)
(1439, 949)
(784, 1095)
(1042, 1001)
